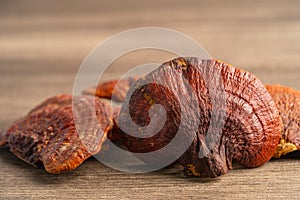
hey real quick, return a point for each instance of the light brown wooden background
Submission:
(42, 45)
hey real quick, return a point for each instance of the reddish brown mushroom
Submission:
(288, 104)
(114, 89)
(47, 135)
(251, 123)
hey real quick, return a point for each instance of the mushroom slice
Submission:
(47, 136)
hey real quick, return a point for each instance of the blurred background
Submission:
(43, 43)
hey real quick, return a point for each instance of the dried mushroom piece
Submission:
(47, 135)
(251, 128)
(288, 104)
(114, 89)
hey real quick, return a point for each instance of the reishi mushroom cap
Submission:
(114, 89)
(47, 135)
(288, 104)
(223, 95)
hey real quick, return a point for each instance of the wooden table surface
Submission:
(42, 45)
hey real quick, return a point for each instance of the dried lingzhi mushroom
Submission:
(288, 104)
(251, 128)
(115, 89)
(47, 135)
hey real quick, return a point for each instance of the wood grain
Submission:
(42, 45)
